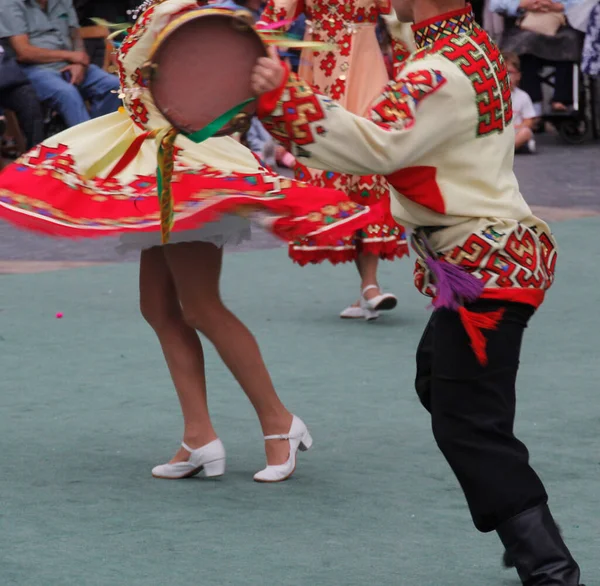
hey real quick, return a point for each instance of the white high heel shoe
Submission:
(382, 302)
(359, 312)
(369, 308)
(299, 439)
(209, 458)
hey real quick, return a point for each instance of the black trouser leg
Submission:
(563, 83)
(472, 413)
(23, 101)
(530, 79)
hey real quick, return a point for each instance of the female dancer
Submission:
(49, 190)
(353, 75)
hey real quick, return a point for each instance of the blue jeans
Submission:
(69, 100)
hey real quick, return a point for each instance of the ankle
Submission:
(276, 423)
(371, 289)
(197, 439)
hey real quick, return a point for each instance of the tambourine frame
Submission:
(241, 20)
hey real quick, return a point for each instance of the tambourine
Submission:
(199, 71)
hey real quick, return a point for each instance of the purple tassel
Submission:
(454, 286)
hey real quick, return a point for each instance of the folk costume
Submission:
(131, 173)
(441, 134)
(352, 75)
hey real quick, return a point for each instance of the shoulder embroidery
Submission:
(396, 106)
(473, 55)
(481, 62)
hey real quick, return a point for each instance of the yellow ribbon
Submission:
(166, 164)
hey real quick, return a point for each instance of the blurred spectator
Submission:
(591, 47)
(17, 94)
(114, 11)
(536, 50)
(254, 6)
(296, 30)
(523, 111)
(478, 7)
(260, 142)
(44, 35)
(493, 23)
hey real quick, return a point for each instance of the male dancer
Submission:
(442, 135)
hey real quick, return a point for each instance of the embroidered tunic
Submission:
(442, 135)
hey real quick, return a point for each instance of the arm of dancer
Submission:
(425, 109)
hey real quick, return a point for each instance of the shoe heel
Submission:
(370, 314)
(306, 442)
(214, 468)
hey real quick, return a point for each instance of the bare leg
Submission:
(367, 265)
(180, 345)
(196, 270)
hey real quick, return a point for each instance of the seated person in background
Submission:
(110, 10)
(523, 111)
(45, 37)
(537, 50)
(17, 94)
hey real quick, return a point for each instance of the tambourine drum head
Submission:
(202, 69)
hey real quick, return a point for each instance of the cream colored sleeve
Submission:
(417, 113)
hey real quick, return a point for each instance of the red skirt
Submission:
(45, 191)
(383, 237)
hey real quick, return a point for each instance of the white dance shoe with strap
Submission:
(209, 459)
(369, 308)
(299, 439)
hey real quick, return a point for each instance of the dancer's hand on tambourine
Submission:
(268, 73)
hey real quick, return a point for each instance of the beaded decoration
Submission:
(135, 13)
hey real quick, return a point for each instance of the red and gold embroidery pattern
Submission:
(302, 109)
(481, 64)
(400, 53)
(521, 259)
(397, 105)
(452, 25)
(386, 239)
(461, 41)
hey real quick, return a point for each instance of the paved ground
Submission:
(560, 182)
(87, 408)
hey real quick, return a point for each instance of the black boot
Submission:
(507, 561)
(535, 548)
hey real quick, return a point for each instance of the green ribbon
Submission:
(211, 129)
